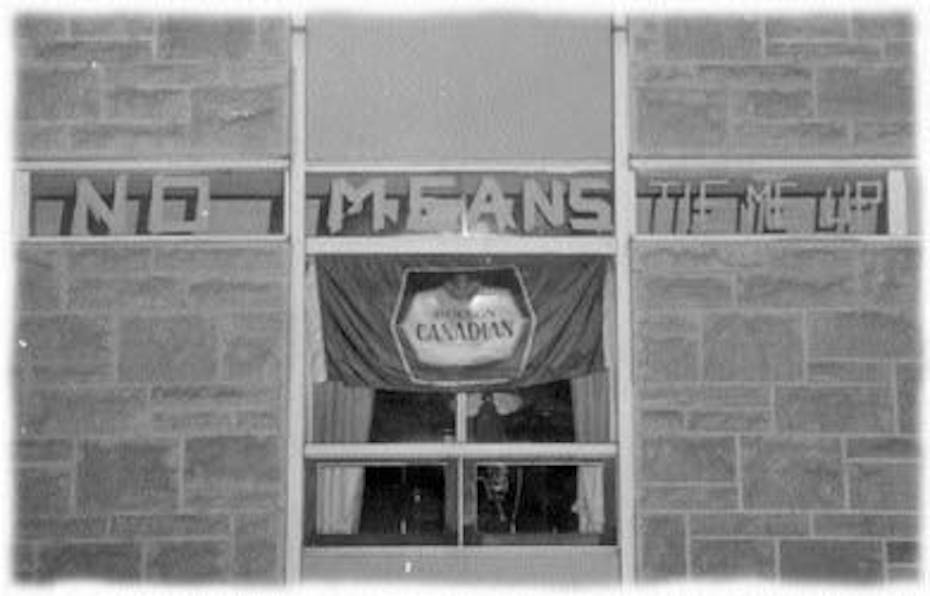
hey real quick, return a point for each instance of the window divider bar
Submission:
(749, 163)
(22, 181)
(624, 230)
(155, 164)
(296, 431)
(488, 451)
(456, 244)
(567, 166)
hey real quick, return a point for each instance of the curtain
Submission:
(591, 406)
(341, 415)
(361, 295)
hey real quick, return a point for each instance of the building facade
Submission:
(471, 298)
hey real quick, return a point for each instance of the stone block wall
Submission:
(830, 85)
(776, 387)
(150, 384)
(147, 86)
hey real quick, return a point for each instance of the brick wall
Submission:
(147, 86)
(150, 384)
(773, 86)
(775, 398)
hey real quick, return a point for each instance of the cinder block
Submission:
(43, 450)
(666, 348)
(801, 287)
(770, 76)
(791, 473)
(662, 546)
(213, 396)
(790, 137)
(687, 459)
(235, 471)
(201, 560)
(128, 475)
(883, 485)
(93, 560)
(64, 93)
(834, 409)
(658, 421)
(854, 372)
(752, 347)
(273, 37)
(861, 334)
(161, 75)
(42, 27)
(902, 552)
(167, 349)
(35, 139)
(733, 558)
(842, 561)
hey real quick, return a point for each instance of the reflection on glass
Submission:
(386, 504)
(542, 413)
(412, 417)
(536, 504)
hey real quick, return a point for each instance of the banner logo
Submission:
(458, 326)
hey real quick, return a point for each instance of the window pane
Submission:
(539, 504)
(563, 411)
(383, 504)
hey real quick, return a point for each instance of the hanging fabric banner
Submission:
(416, 322)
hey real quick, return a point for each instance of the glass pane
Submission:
(539, 504)
(563, 411)
(344, 414)
(382, 504)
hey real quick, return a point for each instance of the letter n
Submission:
(89, 201)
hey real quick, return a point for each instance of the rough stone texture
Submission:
(845, 561)
(152, 86)
(170, 525)
(678, 459)
(672, 291)
(38, 281)
(178, 348)
(733, 558)
(839, 408)
(112, 560)
(667, 347)
(908, 385)
(883, 485)
(848, 372)
(791, 473)
(232, 471)
(188, 560)
(748, 524)
(255, 555)
(59, 528)
(687, 496)
(890, 447)
(862, 334)
(83, 411)
(748, 347)
(43, 491)
(128, 476)
(865, 525)
(890, 276)
(662, 554)
(43, 451)
(782, 86)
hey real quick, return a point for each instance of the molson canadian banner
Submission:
(475, 324)
(418, 322)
